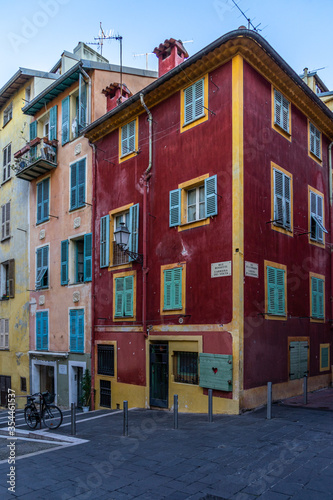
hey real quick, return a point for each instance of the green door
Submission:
(159, 375)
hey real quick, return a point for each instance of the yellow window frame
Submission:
(185, 187)
(174, 311)
(127, 156)
(275, 126)
(204, 118)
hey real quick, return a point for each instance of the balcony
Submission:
(37, 158)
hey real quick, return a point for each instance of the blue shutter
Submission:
(64, 263)
(211, 196)
(168, 284)
(188, 105)
(119, 297)
(39, 202)
(38, 331)
(80, 330)
(134, 229)
(72, 330)
(45, 330)
(53, 123)
(174, 213)
(87, 257)
(82, 103)
(65, 120)
(33, 130)
(73, 193)
(81, 183)
(105, 241)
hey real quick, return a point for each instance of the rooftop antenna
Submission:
(111, 36)
(152, 53)
(249, 23)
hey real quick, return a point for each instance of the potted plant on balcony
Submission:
(86, 390)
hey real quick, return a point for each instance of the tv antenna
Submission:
(152, 53)
(249, 23)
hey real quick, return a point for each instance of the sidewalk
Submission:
(319, 400)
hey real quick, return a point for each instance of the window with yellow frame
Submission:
(282, 199)
(129, 140)
(173, 291)
(124, 296)
(275, 290)
(281, 114)
(194, 104)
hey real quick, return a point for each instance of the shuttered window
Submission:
(105, 359)
(87, 253)
(42, 267)
(281, 111)
(65, 120)
(276, 291)
(82, 104)
(201, 202)
(32, 136)
(128, 138)
(53, 123)
(6, 161)
(78, 185)
(42, 331)
(76, 326)
(194, 102)
(317, 297)
(124, 296)
(43, 201)
(4, 333)
(324, 357)
(105, 241)
(282, 199)
(64, 262)
(317, 228)
(173, 288)
(298, 355)
(5, 221)
(7, 279)
(315, 141)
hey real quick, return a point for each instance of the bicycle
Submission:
(50, 413)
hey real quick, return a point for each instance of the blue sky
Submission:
(34, 33)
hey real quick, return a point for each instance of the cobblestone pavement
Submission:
(236, 457)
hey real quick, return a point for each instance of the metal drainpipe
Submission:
(92, 346)
(89, 93)
(331, 219)
(146, 177)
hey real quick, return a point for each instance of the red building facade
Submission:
(220, 171)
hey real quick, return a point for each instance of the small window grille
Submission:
(186, 367)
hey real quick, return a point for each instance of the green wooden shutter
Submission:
(174, 211)
(39, 202)
(216, 371)
(105, 241)
(65, 120)
(280, 292)
(199, 109)
(87, 257)
(82, 120)
(271, 283)
(278, 197)
(168, 284)
(53, 123)
(321, 295)
(128, 295)
(119, 299)
(33, 130)
(303, 358)
(81, 183)
(45, 330)
(285, 114)
(64, 263)
(134, 229)
(294, 372)
(74, 190)
(72, 329)
(38, 331)
(317, 293)
(211, 196)
(177, 288)
(188, 105)
(324, 364)
(80, 330)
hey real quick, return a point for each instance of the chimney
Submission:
(170, 54)
(113, 93)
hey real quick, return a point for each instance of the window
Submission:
(185, 367)
(8, 114)
(315, 141)
(42, 267)
(43, 201)
(281, 111)
(317, 228)
(282, 199)
(129, 139)
(6, 159)
(173, 289)
(317, 296)
(124, 296)
(76, 260)
(76, 326)
(4, 333)
(194, 104)
(23, 384)
(276, 292)
(5, 221)
(324, 357)
(105, 393)
(7, 279)
(298, 359)
(42, 330)
(78, 185)
(128, 214)
(193, 202)
(105, 359)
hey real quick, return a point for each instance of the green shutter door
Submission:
(168, 284)
(74, 186)
(39, 202)
(280, 292)
(45, 330)
(81, 183)
(87, 257)
(82, 122)
(45, 207)
(303, 358)
(38, 331)
(72, 330)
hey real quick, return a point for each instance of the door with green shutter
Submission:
(159, 375)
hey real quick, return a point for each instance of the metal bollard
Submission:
(210, 405)
(269, 400)
(73, 420)
(125, 424)
(175, 411)
(305, 389)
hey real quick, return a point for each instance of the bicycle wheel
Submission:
(30, 417)
(52, 417)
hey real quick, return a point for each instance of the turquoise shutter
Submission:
(45, 208)
(177, 288)
(119, 297)
(45, 330)
(39, 202)
(128, 295)
(324, 358)
(211, 196)
(81, 183)
(134, 229)
(105, 241)
(33, 130)
(38, 331)
(271, 281)
(278, 198)
(280, 292)
(168, 283)
(65, 120)
(131, 136)
(294, 360)
(199, 99)
(124, 140)
(87, 257)
(82, 103)
(188, 105)
(80, 330)
(287, 201)
(277, 108)
(321, 295)
(317, 293)
(317, 143)
(74, 186)
(53, 123)
(72, 330)
(64, 263)
(174, 214)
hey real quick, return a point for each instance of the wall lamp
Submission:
(122, 235)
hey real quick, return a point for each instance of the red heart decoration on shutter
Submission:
(214, 370)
